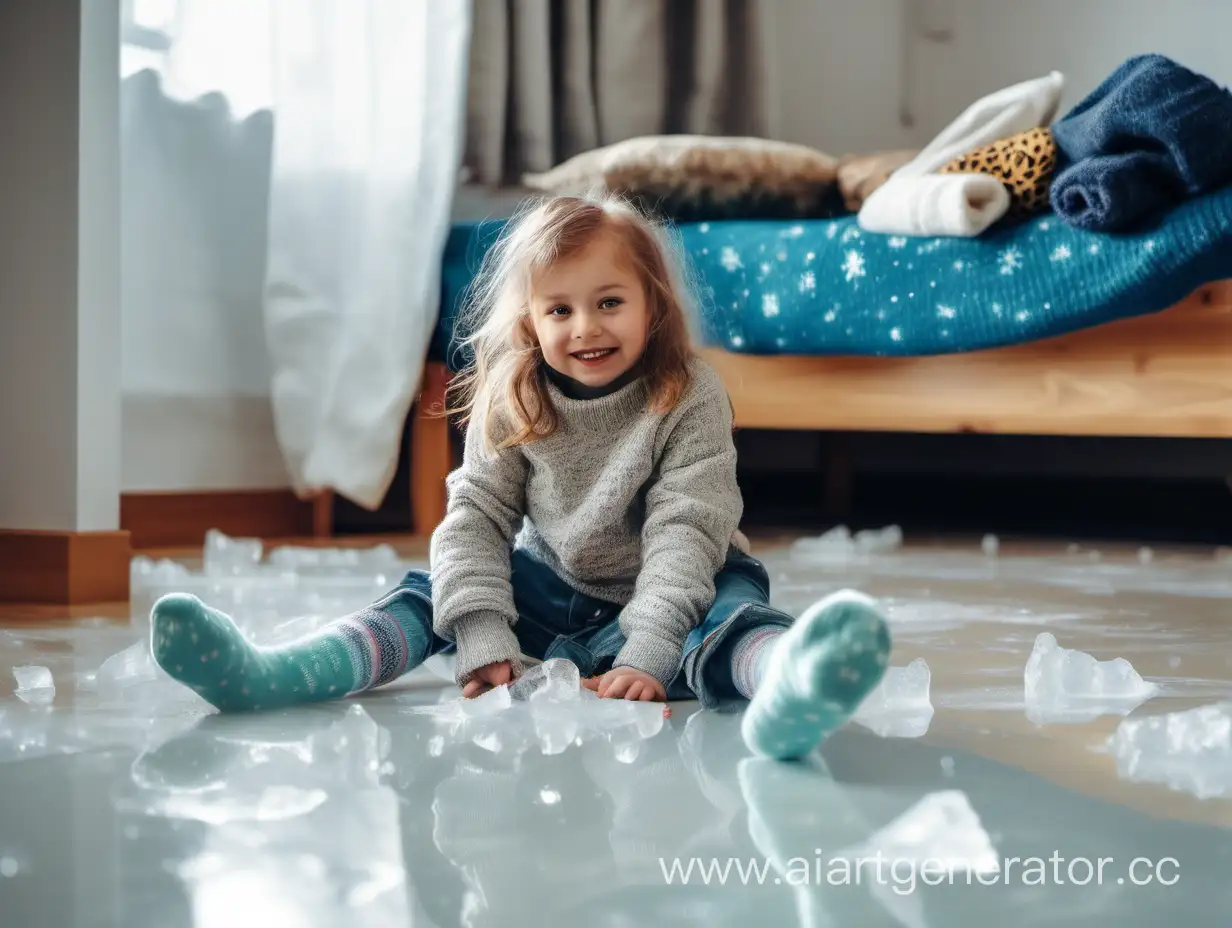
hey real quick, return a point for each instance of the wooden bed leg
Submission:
(323, 514)
(431, 456)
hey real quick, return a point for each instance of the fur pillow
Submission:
(695, 177)
(860, 175)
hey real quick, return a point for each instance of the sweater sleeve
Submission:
(472, 596)
(693, 508)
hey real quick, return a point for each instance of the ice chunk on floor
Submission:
(940, 827)
(1188, 751)
(290, 557)
(990, 545)
(225, 555)
(546, 708)
(556, 680)
(493, 702)
(839, 544)
(879, 541)
(900, 706)
(145, 572)
(34, 685)
(135, 664)
(1064, 685)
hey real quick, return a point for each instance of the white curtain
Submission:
(368, 104)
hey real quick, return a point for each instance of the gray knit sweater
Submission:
(626, 505)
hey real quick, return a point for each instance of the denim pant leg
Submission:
(416, 588)
(741, 603)
(555, 620)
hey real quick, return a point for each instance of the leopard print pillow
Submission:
(1024, 163)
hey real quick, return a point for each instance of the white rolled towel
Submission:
(936, 204)
(918, 201)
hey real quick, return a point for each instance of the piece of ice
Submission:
(836, 543)
(1145, 555)
(1189, 751)
(134, 664)
(9, 867)
(223, 555)
(990, 545)
(493, 702)
(300, 558)
(899, 706)
(947, 765)
(940, 827)
(34, 685)
(879, 541)
(1064, 685)
(144, 572)
(839, 544)
(1174, 662)
(557, 680)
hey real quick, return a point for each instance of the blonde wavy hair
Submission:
(503, 390)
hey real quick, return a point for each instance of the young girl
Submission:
(595, 517)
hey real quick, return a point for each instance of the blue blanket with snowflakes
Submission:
(826, 287)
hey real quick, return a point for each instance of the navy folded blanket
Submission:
(1151, 135)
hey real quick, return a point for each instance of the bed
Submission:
(1035, 329)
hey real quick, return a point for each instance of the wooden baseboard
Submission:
(175, 519)
(64, 568)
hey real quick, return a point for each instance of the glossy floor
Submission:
(125, 801)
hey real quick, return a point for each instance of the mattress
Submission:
(826, 287)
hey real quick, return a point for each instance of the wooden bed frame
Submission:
(1168, 374)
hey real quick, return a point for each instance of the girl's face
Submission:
(590, 313)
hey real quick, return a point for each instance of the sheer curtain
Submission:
(367, 100)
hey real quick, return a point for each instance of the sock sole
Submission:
(824, 666)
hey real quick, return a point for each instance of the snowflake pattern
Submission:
(1010, 261)
(730, 258)
(780, 282)
(853, 267)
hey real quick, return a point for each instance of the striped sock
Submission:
(748, 657)
(203, 649)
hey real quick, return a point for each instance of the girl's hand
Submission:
(487, 677)
(627, 683)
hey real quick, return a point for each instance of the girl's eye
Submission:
(610, 303)
(559, 311)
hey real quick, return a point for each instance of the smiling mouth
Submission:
(594, 354)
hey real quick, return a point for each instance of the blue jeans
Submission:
(555, 620)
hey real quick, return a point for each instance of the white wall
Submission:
(843, 69)
(59, 274)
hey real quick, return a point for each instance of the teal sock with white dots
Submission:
(815, 675)
(205, 650)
